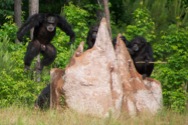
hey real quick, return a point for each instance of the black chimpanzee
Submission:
(123, 38)
(142, 54)
(92, 35)
(44, 30)
(43, 100)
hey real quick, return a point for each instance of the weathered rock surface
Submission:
(103, 81)
(139, 95)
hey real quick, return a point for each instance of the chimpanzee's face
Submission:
(94, 33)
(51, 23)
(137, 45)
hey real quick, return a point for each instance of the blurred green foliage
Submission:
(142, 25)
(173, 75)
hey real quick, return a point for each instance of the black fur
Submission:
(44, 30)
(91, 36)
(142, 52)
(43, 100)
(123, 38)
(139, 49)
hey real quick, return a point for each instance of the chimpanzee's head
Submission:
(138, 43)
(50, 23)
(94, 32)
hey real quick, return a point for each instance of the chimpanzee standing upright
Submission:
(44, 25)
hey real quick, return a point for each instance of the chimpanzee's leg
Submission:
(33, 50)
(43, 100)
(49, 55)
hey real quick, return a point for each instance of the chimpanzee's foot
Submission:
(144, 76)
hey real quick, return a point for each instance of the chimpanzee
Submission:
(142, 54)
(44, 30)
(123, 38)
(43, 100)
(92, 35)
(140, 50)
(55, 88)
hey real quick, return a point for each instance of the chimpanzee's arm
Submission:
(31, 22)
(66, 27)
(150, 50)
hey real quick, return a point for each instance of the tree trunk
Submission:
(17, 14)
(107, 15)
(33, 9)
(105, 12)
(186, 89)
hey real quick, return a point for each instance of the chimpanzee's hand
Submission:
(146, 61)
(71, 41)
(20, 38)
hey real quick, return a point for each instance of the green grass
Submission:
(27, 116)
